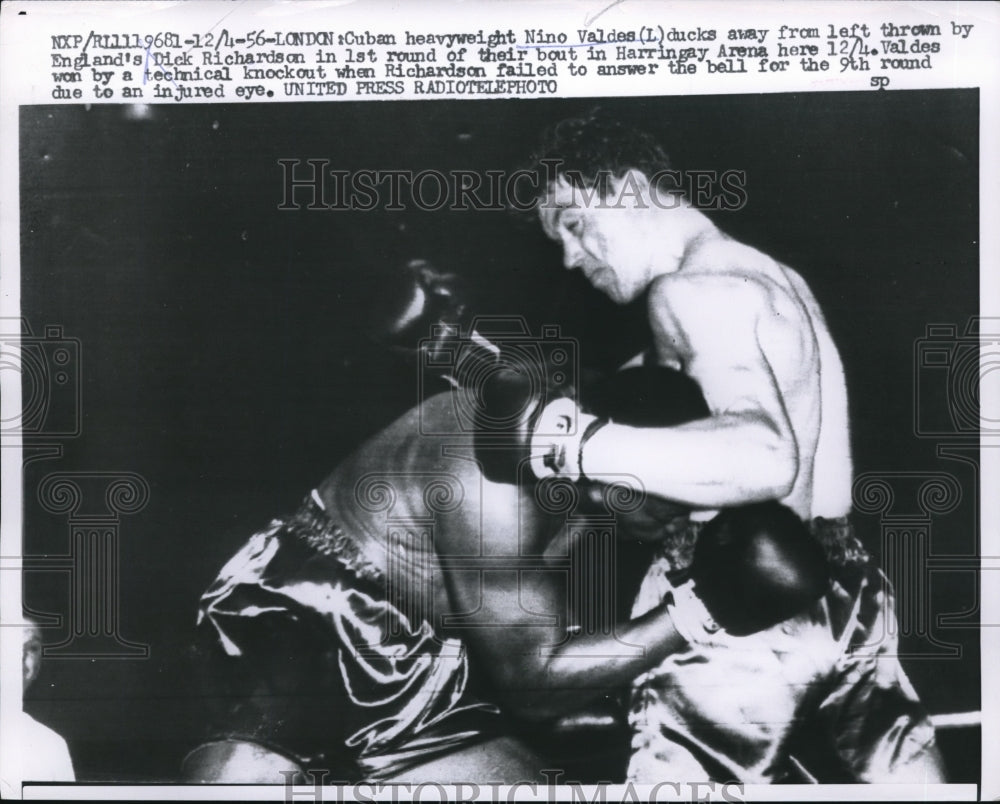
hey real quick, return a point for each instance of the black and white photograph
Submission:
(548, 441)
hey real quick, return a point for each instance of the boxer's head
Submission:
(596, 201)
(646, 396)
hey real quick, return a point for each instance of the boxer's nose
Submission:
(572, 254)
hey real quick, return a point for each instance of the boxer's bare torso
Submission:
(747, 328)
(397, 497)
(750, 331)
(478, 550)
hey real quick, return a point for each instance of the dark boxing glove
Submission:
(757, 565)
(646, 396)
(508, 403)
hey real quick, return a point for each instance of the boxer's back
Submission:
(832, 465)
(399, 476)
(352, 587)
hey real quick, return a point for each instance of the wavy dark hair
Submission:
(589, 151)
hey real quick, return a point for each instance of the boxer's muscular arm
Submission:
(746, 451)
(517, 631)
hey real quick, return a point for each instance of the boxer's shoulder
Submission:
(716, 260)
(700, 297)
(717, 252)
(732, 278)
(700, 314)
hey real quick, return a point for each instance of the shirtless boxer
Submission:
(344, 637)
(751, 333)
(386, 630)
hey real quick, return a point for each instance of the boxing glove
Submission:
(508, 404)
(757, 565)
(646, 396)
(418, 304)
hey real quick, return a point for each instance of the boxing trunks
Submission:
(821, 696)
(309, 652)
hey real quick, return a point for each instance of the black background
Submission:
(229, 354)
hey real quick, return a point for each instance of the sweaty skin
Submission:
(488, 557)
(747, 328)
(478, 571)
(751, 333)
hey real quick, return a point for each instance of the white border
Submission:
(24, 50)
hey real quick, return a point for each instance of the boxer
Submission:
(750, 332)
(391, 627)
